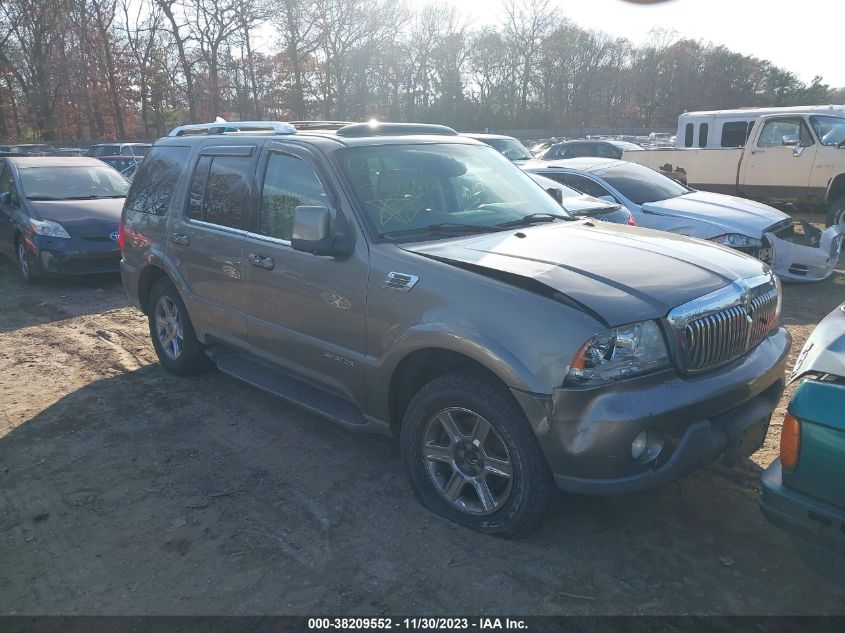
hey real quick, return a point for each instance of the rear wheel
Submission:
(472, 456)
(836, 213)
(173, 335)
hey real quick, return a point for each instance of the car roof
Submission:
(497, 137)
(584, 163)
(23, 162)
(121, 143)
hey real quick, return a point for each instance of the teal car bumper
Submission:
(802, 514)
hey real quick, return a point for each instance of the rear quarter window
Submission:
(155, 182)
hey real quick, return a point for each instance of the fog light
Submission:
(639, 445)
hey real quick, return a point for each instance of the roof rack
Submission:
(377, 128)
(225, 127)
(319, 125)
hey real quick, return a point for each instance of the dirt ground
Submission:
(124, 490)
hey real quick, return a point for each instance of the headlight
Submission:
(49, 228)
(737, 240)
(623, 352)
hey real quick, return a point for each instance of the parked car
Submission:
(581, 205)
(126, 166)
(60, 215)
(780, 155)
(406, 280)
(804, 489)
(26, 149)
(598, 148)
(508, 146)
(134, 150)
(658, 202)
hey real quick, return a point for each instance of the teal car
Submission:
(804, 489)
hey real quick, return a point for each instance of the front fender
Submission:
(492, 355)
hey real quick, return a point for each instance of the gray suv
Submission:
(405, 280)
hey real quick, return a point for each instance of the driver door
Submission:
(776, 169)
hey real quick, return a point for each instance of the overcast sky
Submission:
(803, 36)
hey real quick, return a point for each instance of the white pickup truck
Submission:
(787, 155)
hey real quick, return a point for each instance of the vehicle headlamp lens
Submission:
(623, 352)
(737, 240)
(49, 228)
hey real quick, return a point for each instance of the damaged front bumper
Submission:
(811, 257)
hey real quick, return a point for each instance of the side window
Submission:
(734, 133)
(197, 192)
(220, 191)
(702, 134)
(289, 182)
(774, 132)
(155, 182)
(584, 185)
(688, 133)
(607, 151)
(7, 185)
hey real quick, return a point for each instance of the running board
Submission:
(278, 383)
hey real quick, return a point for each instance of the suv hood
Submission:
(619, 273)
(715, 214)
(824, 351)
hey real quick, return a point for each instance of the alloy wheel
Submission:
(23, 261)
(168, 326)
(467, 461)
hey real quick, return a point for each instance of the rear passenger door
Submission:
(305, 313)
(206, 240)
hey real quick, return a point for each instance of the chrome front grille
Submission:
(716, 329)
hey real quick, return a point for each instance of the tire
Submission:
(473, 489)
(24, 266)
(836, 212)
(174, 339)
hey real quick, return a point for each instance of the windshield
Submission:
(405, 189)
(640, 184)
(509, 148)
(830, 129)
(72, 183)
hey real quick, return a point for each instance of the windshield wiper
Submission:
(40, 198)
(531, 218)
(442, 227)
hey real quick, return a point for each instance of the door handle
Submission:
(180, 238)
(261, 261)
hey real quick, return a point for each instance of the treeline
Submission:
(98, 69)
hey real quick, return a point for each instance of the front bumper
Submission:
(586, 434)
(54, 256)
(801, 514)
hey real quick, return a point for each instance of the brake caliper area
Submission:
(809, 257)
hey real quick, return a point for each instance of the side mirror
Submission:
(791, 140)
(556, 193)
(311, 226)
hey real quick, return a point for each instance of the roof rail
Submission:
(319, 125)
(222, 127)
(377, 128)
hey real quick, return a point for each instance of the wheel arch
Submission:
(423, 363)
(146, 280)
(836, 189)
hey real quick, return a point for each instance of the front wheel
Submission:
(836, 213)
(23, 263)
(173, 335)
(472, 456)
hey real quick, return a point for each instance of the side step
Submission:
(277, 382)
